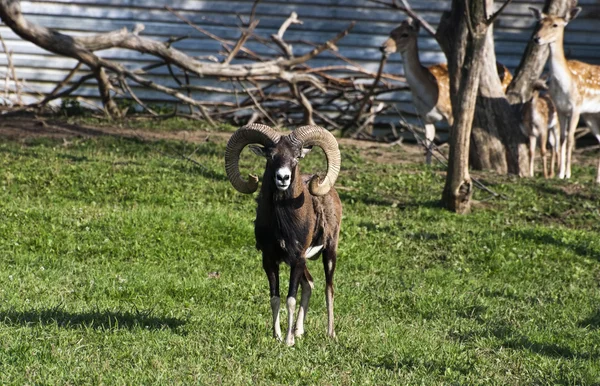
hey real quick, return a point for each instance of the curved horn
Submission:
(246, 135)
(317, 136)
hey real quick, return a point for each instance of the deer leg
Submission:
(307, 287)
(553, 140)
(543, 143)
(532, 141)
(595, 127)
(564, 127)
(571, 141)
(429, 137)
(329, 261)
(272, 270)
(297, 270)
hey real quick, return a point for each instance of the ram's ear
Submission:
(259, 150)
(305, 151)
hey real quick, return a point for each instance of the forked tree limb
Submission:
(406, 8)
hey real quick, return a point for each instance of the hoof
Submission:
(331, 334)
(299, 333)
(289, 341)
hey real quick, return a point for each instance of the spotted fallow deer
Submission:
(540, 120)
(574, 86)
(429, 86)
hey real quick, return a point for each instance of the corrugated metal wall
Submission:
(322, 20)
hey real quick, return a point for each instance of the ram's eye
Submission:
(404, 35)
(554, 25)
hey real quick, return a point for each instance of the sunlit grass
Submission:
(122, 265)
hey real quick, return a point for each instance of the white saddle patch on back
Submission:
(311, 251)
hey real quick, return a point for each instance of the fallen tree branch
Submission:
(284, 88)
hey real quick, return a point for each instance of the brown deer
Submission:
(540, 120)
(574, 86)
(429, 86)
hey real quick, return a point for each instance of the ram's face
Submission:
(282, 162)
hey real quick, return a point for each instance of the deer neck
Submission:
(559, 69)
(417, 76)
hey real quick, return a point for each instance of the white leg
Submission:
(553, 140)
(307, 287)
(564, 127)
(571, 141)
(291, 309)
(329, 301)
(429, 137)
(275, 302)
(532, 141)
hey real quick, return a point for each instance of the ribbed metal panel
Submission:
(322, 20)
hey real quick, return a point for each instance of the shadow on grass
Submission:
(513, 339)
(581, 247)
(386, 201)
(592, 322)
(547, 349)
(411, 364)
(569, 192)
(98, 319)
(200, 170)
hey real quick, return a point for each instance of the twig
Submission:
(258, 106)
(225, 43)
(245, 35)
(11, 66)
(278, 37)
(491, 20)
(253, 11)
(330, 44)
(408, 10)
(66, 80)
(125, 86)
(367, 97)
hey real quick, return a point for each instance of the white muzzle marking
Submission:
(283, 178)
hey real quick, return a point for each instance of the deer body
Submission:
(540, 120)
(574, 86)
(429, 86)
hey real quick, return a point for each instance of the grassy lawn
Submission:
(122, 264)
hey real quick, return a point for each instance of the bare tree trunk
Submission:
(487, 151)
(496, 140)
(465, 64)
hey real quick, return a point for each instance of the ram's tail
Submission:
(308, 277)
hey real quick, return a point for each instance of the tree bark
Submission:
(487, 151)
(496, 140)
(465, 64)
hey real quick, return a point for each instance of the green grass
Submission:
(109, 249)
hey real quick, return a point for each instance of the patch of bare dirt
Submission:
(24, 128)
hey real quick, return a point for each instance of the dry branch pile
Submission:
(278, 90)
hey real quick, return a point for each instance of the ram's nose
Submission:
(283, 178)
